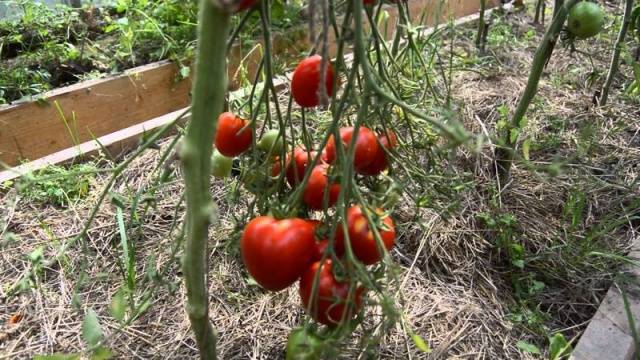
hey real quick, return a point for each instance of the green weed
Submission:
(57, 185)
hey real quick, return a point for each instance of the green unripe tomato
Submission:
(271, 141)
(303, 345)
(220, 165)
(586, 19)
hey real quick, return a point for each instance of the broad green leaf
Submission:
(558, 347)
(526, 347)
(518, 263)
(420, 343)
(91, 330)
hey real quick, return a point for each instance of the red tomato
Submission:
(297, 168)
(277, 252)
(317, 188)
(363, 242)
(368, 2)
(330, 305)
(232, 138)
(366, 147)
(306, 80)
(245, 4)
(380, 161)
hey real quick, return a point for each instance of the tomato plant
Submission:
(306, 81)
(318, 187)
(332, 302)
(586, 19)
(233, 136)
(366, 147)
(277, 252)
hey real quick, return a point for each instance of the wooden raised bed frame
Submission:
(71, 121)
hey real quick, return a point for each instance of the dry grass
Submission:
(455, 286)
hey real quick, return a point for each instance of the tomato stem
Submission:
(615, 59)
(455, 134)
(505, 154)
(209, 88)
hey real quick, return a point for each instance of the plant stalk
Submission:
(481, 24)
(615, 59)
(505, 154)
(557, 5)
(209, 88)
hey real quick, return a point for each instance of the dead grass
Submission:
(455, 288)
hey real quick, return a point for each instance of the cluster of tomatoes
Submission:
(279, 252)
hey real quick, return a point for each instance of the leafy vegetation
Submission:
(56, 185)
(47, 47)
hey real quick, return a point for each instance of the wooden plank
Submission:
(116, 143)
(32, 130)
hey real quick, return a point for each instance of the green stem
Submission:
(209, 90)
(479, 34)
(361, 56)
(557, 5)
(504, 155)
(615, 59)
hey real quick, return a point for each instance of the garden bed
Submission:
(461, 293)
(61, 120)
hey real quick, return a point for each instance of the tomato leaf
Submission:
(527, 347)
(420, 343)
(91, 330)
